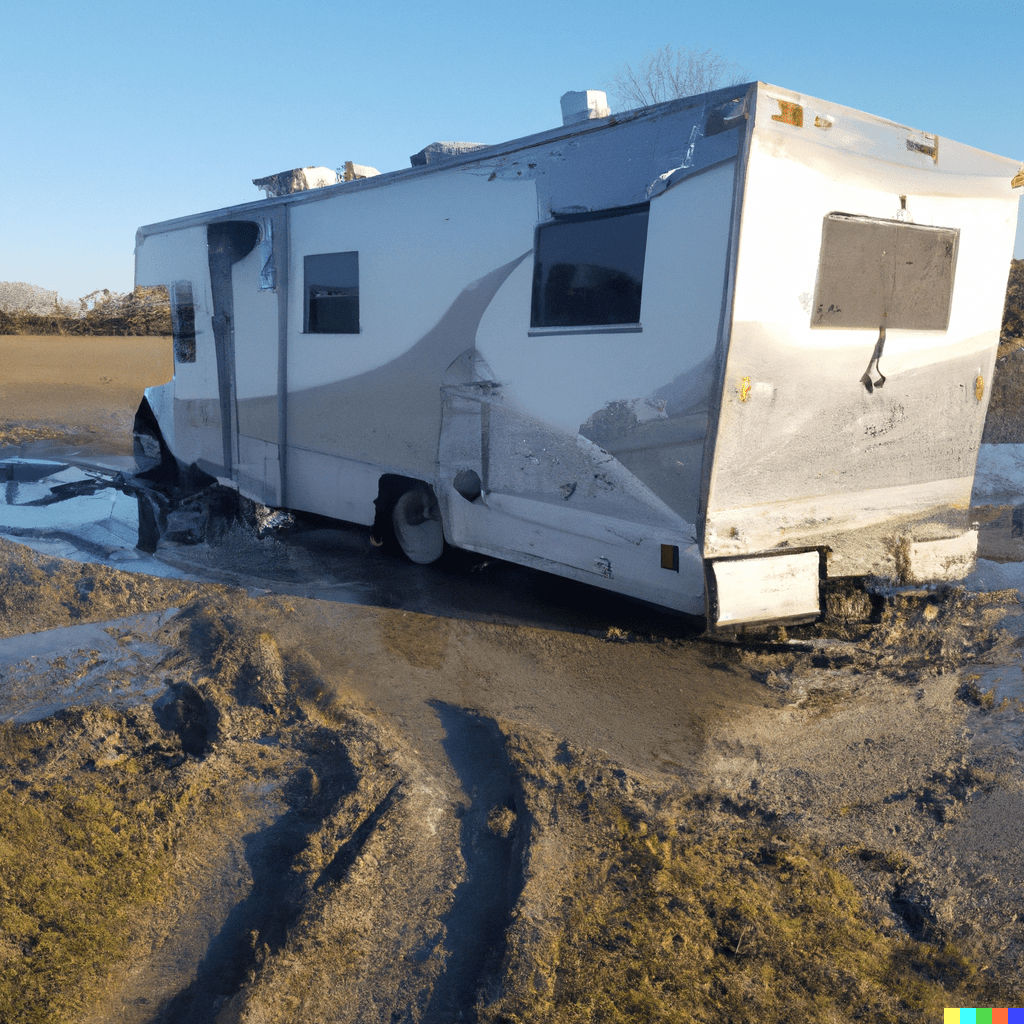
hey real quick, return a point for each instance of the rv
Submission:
(706, 353)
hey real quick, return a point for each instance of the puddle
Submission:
(74, 511)
(109, 662)
(323, 560)
(54, 500)
(62, 502)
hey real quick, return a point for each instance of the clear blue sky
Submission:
(114, 115)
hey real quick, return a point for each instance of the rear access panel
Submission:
(764, 588)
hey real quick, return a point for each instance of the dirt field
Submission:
(85, 389)
(275, 809)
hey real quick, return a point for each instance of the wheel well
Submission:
(390, 488)
(165, 470)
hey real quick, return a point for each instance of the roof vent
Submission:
(438, 152)
(298, 180)
(583, 106)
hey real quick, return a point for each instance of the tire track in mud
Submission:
(491, 828)
(258, 925)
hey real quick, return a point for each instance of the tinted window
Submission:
(589, 269)
(884, 273)
(183, 322)
(332, 293)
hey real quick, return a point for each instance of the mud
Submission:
(226, 805)
(367, 814)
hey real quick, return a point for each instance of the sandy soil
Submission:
(85, 390)
(292, 810)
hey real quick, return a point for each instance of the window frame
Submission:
(183, 321)
(547, 321)
(344, 271)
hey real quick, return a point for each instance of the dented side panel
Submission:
(835, 432)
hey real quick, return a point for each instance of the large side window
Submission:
(332, 293)
(589, 269)
(884, 273)
(183, 322)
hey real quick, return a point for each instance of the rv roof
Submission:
(958, 159)
(469, 156)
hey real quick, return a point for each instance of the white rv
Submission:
(703, 353)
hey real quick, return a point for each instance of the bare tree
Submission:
(669, 73)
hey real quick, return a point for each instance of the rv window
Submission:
(332, 293)
(884, 273)
(183, 322)
(589, 269)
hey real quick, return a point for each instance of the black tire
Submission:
(416, 521)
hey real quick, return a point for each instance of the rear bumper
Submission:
(763, 589)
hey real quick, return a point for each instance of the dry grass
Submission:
(701, 917)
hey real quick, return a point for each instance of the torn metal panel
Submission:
(650, 154)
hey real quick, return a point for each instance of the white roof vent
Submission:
(582, 106)
(297, 180)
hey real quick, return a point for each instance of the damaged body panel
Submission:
(702, 354)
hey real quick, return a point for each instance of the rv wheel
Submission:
(417, 523)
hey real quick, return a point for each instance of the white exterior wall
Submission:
(804, 454)
(419, 245)
(162, 259)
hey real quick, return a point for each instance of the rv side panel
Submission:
(422, 264)
(178, 260)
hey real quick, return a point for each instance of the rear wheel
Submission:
(416, 520)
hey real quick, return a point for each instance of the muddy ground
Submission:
(262, 808)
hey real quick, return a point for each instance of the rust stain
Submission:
(744, 389)
(823, 122)
(790, 113)
(979, 388)
(1017, 181)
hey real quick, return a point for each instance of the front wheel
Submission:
(416, 520)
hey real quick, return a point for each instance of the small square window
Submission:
(332, 293)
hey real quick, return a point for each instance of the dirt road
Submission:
(269, 808)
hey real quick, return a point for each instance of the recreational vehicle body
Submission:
(703, 353)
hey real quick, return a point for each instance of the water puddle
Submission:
(109, 662)
(72, 509)
(67, 503)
